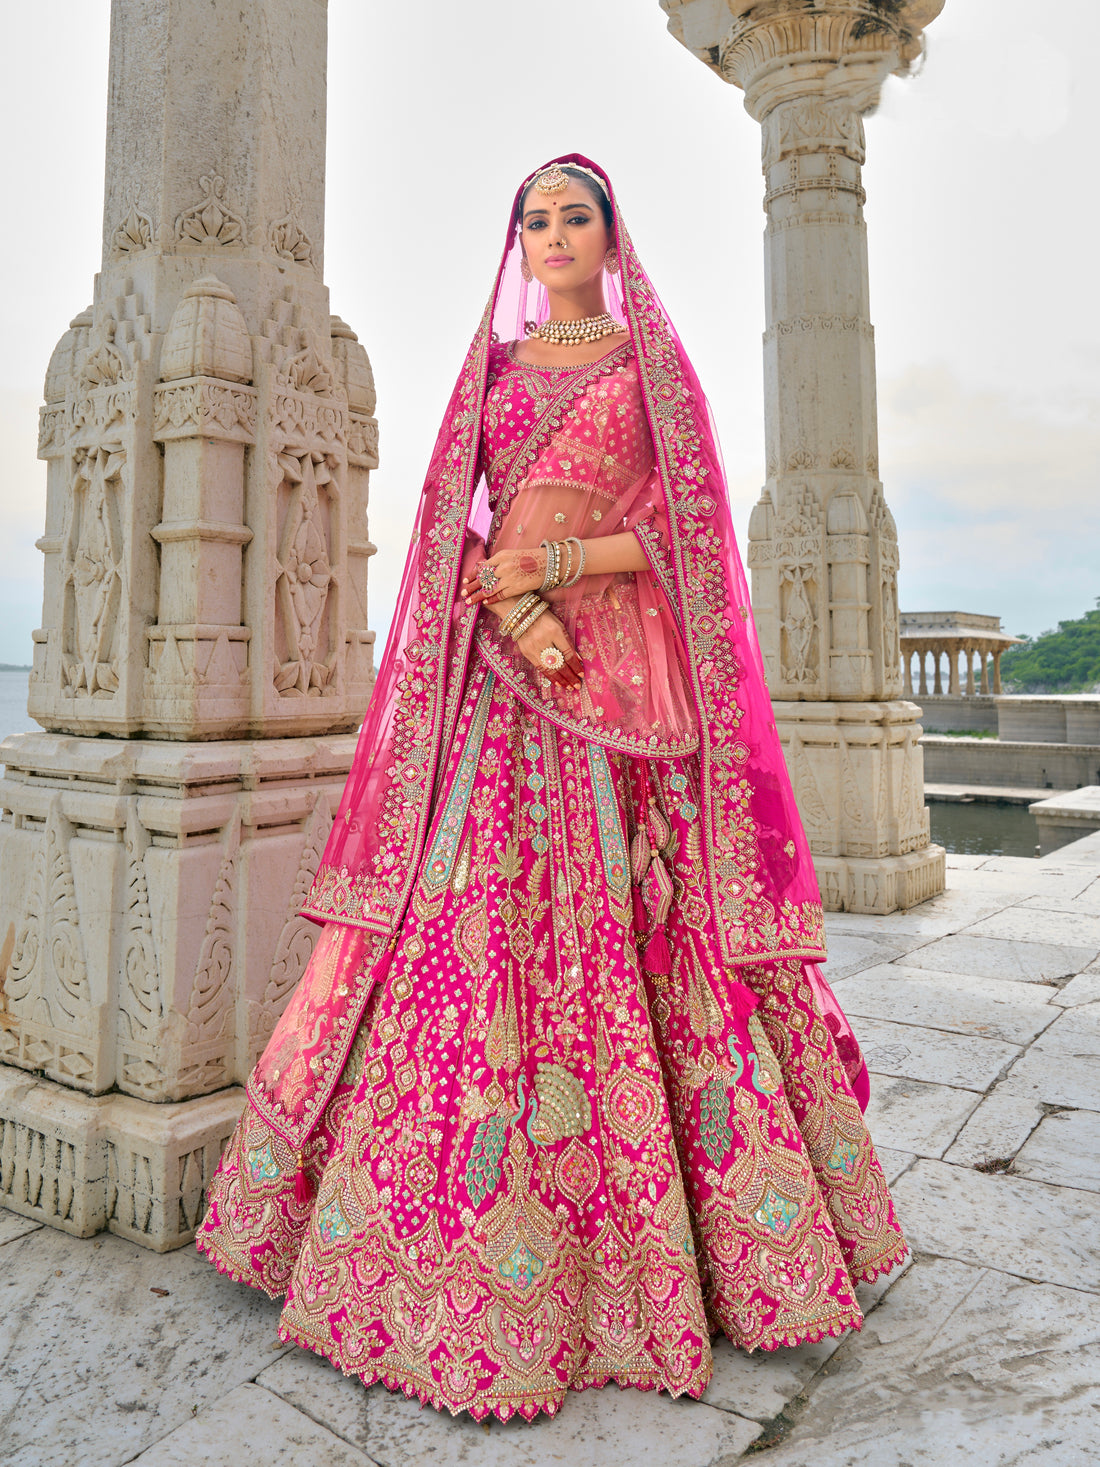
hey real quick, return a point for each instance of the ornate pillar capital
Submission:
(783, 50)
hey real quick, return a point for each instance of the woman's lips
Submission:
(559, 259)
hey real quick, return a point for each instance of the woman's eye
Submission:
(578, 219)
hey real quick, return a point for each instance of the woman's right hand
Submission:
(549, 632)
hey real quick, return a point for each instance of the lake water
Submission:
(982, 829)
(13, 704)
(977, 829)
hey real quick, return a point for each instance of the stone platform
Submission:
(1065, 818)
(979, 1013)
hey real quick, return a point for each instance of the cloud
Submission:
(990, 79)
(997, 498)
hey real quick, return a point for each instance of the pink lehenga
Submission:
(562, 1091)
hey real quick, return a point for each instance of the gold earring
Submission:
(611, 261)
(525, 269)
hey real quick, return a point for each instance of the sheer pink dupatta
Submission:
(593, 475)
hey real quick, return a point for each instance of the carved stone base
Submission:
(858, 775)
(888, 884)
(83, 1163)
(149, 935)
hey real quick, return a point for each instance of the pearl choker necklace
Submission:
(573, 333)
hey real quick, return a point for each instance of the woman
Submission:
(562, 1092)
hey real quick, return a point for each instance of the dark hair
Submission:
(587, 181)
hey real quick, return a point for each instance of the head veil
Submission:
(760, 875)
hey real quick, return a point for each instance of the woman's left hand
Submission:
(505, 575)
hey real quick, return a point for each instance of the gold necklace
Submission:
(574, 333)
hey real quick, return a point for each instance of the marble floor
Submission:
(980, 1017)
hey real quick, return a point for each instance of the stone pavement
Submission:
(979, 1013)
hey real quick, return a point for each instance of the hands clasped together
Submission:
(508, 583)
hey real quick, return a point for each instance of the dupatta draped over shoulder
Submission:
(672, 664)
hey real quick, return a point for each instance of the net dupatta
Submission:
(759, 870)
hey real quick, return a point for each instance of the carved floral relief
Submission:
(133, 235)
(210, 221)
(93, 574)
(305, 652)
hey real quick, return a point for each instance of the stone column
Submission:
(984, 687)
(821, 535)
(953, 668)
(208, 434)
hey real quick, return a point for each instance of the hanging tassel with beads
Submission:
(658, 893)
(658, 959)
(303, 1192)
(639, 864)
(384, 963)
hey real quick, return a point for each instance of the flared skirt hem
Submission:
(551, 1403)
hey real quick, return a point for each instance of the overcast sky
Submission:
(981, 210)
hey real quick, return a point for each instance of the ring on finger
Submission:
(551, 658)
(487, 576)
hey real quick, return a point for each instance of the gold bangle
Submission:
(550, 575)
(529, 621)
(567, 546)
(525, 603)
(570, 579)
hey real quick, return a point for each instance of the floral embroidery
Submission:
(535, 1166)
(632, 1105)
(777, 1213)
(510, 1167)
(262, 1164)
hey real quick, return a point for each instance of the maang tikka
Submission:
(554, 181)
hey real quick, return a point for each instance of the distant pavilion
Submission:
(951, 634)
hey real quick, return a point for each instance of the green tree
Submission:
(1062, 661)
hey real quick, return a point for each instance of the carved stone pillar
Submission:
(209, 433)
(822, 543)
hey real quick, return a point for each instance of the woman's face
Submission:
(564, 237)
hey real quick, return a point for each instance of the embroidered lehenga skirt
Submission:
(544, 1167)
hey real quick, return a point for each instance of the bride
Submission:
(562, 1092)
